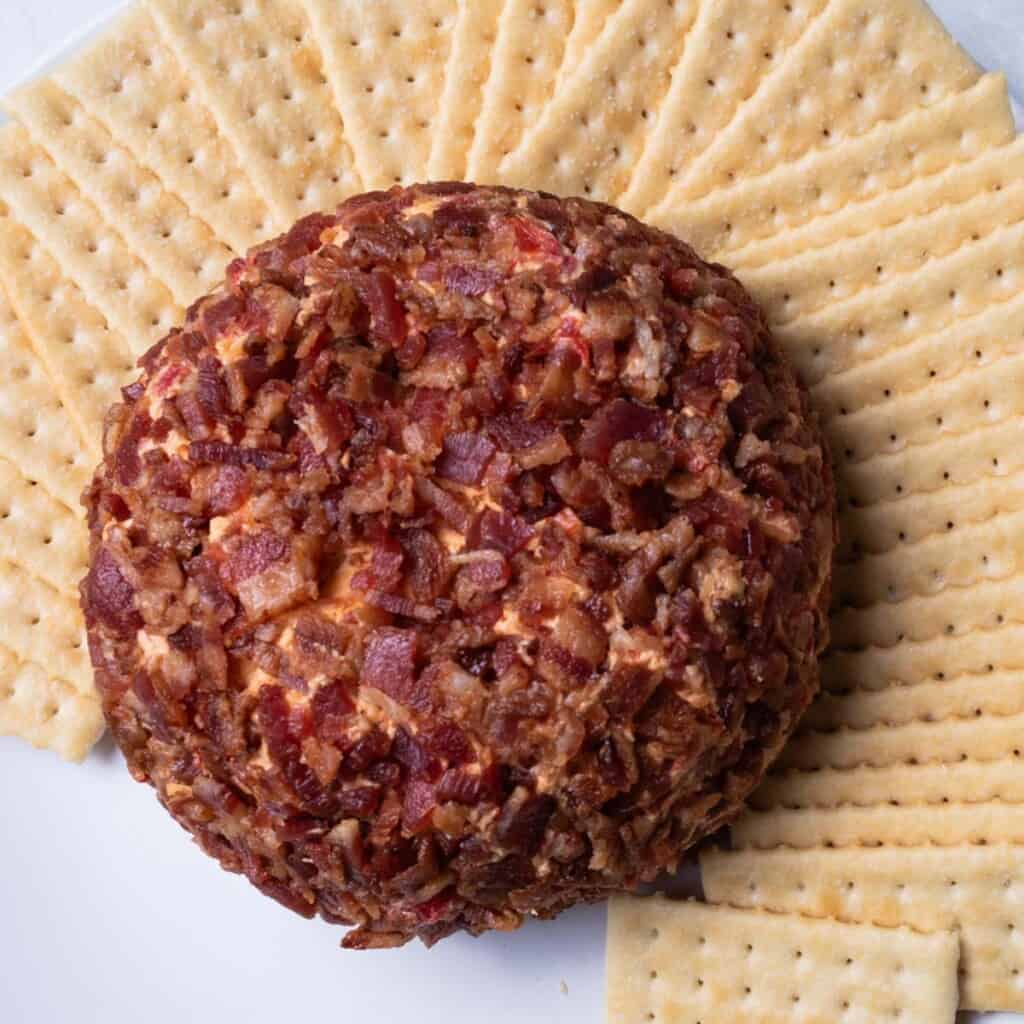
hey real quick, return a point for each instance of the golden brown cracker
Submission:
(976, 889)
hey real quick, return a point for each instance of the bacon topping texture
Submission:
(464, 556)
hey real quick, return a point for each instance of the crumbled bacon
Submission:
(463, 556)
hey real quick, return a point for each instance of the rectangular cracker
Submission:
(48, 712)
(258, 69)
(87, 249)
(879, 528)
(85, 360)
(911, 786)
(961, 556)
(990, 693)
(871, 61)
(888, 156)
(988, 737)
(41, 534)
(180, 250)
(591, 134)
(132, 83)
(992, 171)
(527, 54)
(36, 432)
(588, 19)
(41, 624)
(941, 824)
(979, 341)
(734, 44)
(469, 64)
(386, 63)
(805, 282)
(976, 889)
(903, 309)
(678, 962)
(914, 662)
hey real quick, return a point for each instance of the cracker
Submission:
(791, 288)
(386, 64)
(469, 64)
(936, 700)
(132, 83)
(940, 657)
(915, 786)
(89, 252)
(978, 341)
(976, 889)
(36, 432)
(945, 824)
(870, 61)
(733, 46)
(879, 528)
(988, 737)
(525, 62)
(588, 19)
(959, 557)
(41, 624)
(995, 169)
(888, 156)
(39, 533)
(48, 712)
(591, 134)
(259, 70)
(86, 361)
(680, 962)
(181, 251)
(904, 308)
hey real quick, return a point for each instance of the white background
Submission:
(109, 915)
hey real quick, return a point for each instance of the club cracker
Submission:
(592, 133)
(870, 61)
(182, 251)
(734, 44)
(258, 69)
(48, 712)
(975, 889)
(87, 249)
(678, 962)
(386, 64)
(986, 737)
(801, 284)
(36, 433)
(889, 156)
(469, 64)
(937, 700)
(525, 62)
(589, 17)
(86, 361)
(995, 169)
(132, 83)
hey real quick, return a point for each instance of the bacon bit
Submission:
(127, 463)
(168, 378)
(331, 707)
(428, 565)
(522, 822)
(359, 802)
(451, 510)
(228, 490)
(501, 531)
(470, 280)
(388, 323)
(390, 663)
(418, 805)
(448, 742)
(621, 420)
(395, 604)
(219, 315)
(535, 238)
(547, 452)
(251, 553)
(385, 570)
(220, 452)
(271, 310)
(110, 596)
(464, 458)
(462, 788)
(568, 334)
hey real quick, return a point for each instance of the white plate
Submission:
(109, 914)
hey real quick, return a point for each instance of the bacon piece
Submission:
(331, 707)
(501, 531)
(418, 805)
(513, 431)
(470, 279)
(251, 553)
(535, 239)
(451, 510)
(464, 457)
(109, 596)
(235, 455)
(385, 570)
(387, 317)
(390, 662)
(621, 420)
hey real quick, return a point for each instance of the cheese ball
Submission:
(464, 556)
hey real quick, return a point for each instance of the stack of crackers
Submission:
(862, 176)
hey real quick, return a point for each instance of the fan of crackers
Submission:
(862, 176)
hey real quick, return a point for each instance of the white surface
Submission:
(109, 915)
